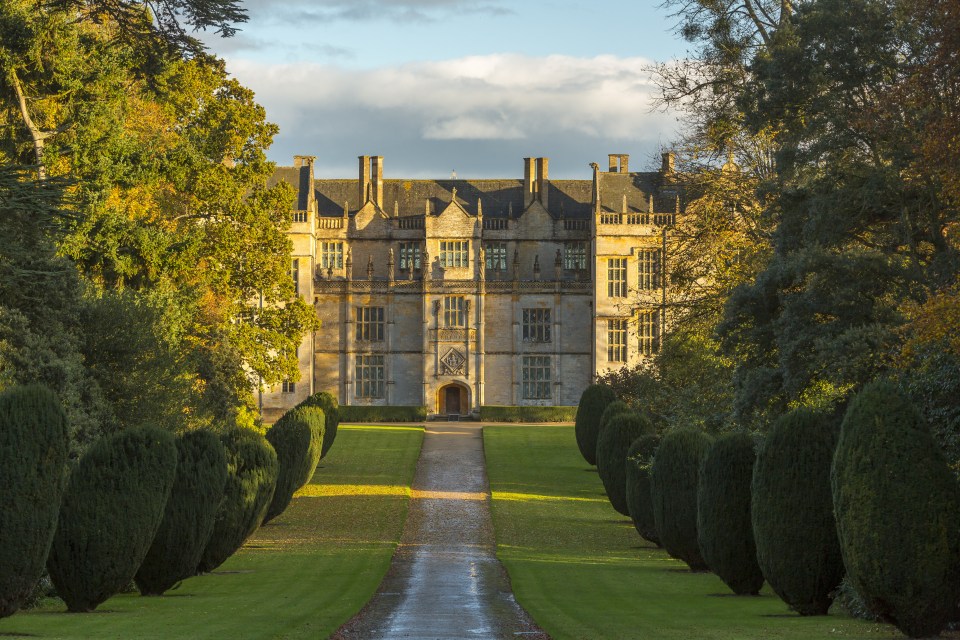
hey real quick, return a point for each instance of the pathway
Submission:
(445, 580)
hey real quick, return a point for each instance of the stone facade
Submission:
(453, 294)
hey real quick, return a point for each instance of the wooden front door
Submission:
(452, 399)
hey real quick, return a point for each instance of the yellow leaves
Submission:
(933, 323)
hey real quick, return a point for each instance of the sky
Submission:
(471, 86)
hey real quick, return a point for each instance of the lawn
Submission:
(301, 576)
(582, 571)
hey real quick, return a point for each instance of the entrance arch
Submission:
(453, 398)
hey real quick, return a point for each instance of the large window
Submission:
(536, 325)
(496, 256)
(331, 255)
(575, 256)
(617, 277)
(295, 275)
(617, 340)
(455, 253)
(649, 330)
(370, 324)
(648, 266)
(454, 311)
(536, 378)
(370, 377)
(409, 251)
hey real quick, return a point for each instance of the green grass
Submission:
(301, 576)
(582, 571)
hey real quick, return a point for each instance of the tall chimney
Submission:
(378, 180)
(543, 166)
(529, 186)
(668, 163)
(305, 193)
(613, 158)
(364, 179)
(624, 163)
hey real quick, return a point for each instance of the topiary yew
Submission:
(326, 402)
(34, 443)
(724, 528)
(612, 446)
(593, 402)
(674, 479)
(792, 512)
(112, 507)
(297, 438)
(639, 459)
(189, 515)
(251, 480)
(896, 503)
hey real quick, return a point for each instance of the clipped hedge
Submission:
(297, 438)
(612, 445)
(792, 512)
(593, 402)
(189, 515)
(326, 402)
(365, 414)
(251, 479)
(674, 480)
(112, 507)
(724, 527)
(897, 503)
(494, 413)
(34, 443)
(639, 503)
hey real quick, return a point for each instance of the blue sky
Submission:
(466, 85)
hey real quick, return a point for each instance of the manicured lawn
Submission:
(582, 571)
(301, 576)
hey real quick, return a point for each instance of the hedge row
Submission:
(383, 414)
(495, 413)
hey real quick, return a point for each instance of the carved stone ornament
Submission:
(451, 364)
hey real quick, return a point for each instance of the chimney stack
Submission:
(529, 185)
(613, 158)
(364, 179)
(305, 193)
(624, 163)
(668, 163)
(377, 170)
(543, 166)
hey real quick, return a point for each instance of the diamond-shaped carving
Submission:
(451, 364)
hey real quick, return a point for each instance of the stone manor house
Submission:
(455, 294)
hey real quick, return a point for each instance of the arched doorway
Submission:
(453, 398)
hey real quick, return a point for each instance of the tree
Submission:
(612, 445)
(297, 437)
(593, 402)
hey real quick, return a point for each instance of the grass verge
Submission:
(301, 576)
(580, 569)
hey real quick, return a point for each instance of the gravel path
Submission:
(445, 580)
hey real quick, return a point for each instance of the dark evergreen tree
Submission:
(189, 516)
(724, 528)
(327, 402)
(674, 479)
(34, 442)
(111, 510)
(639, 504)
(297, 437)
(792, 511)
(251, 479)
(896, 503)
(612, 446)
(593, 402)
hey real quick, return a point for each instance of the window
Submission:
(648, 276)
(455, 253)
(617, 340)
(409, 251)
(370, 324)
(295, 274)
(300, 216)
(331, 255)
(617, 277)
(536, 325)
(536, 378)
(370, 377)
(575, 256)
(288, 387)
(454, 311)
(649, 331)
(496, 256)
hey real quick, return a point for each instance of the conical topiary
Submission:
(792, 512)
(189, 515)
(593, 402)
(897, 503)
(326, 402)
(674, 479)
(724, 528)
(111, 510)
(34, 442)
(612, 445)
(251, 480)
(639, 504)
(297, 437)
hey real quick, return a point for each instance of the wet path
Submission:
(445, 580)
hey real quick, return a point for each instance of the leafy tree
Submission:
(612, 445)
(639, 501)
(326, 402)
(297, 437)
(593, 402)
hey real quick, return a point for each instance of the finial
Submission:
(454, 195)
(370, 268)
(479, 208)
(346, 208)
